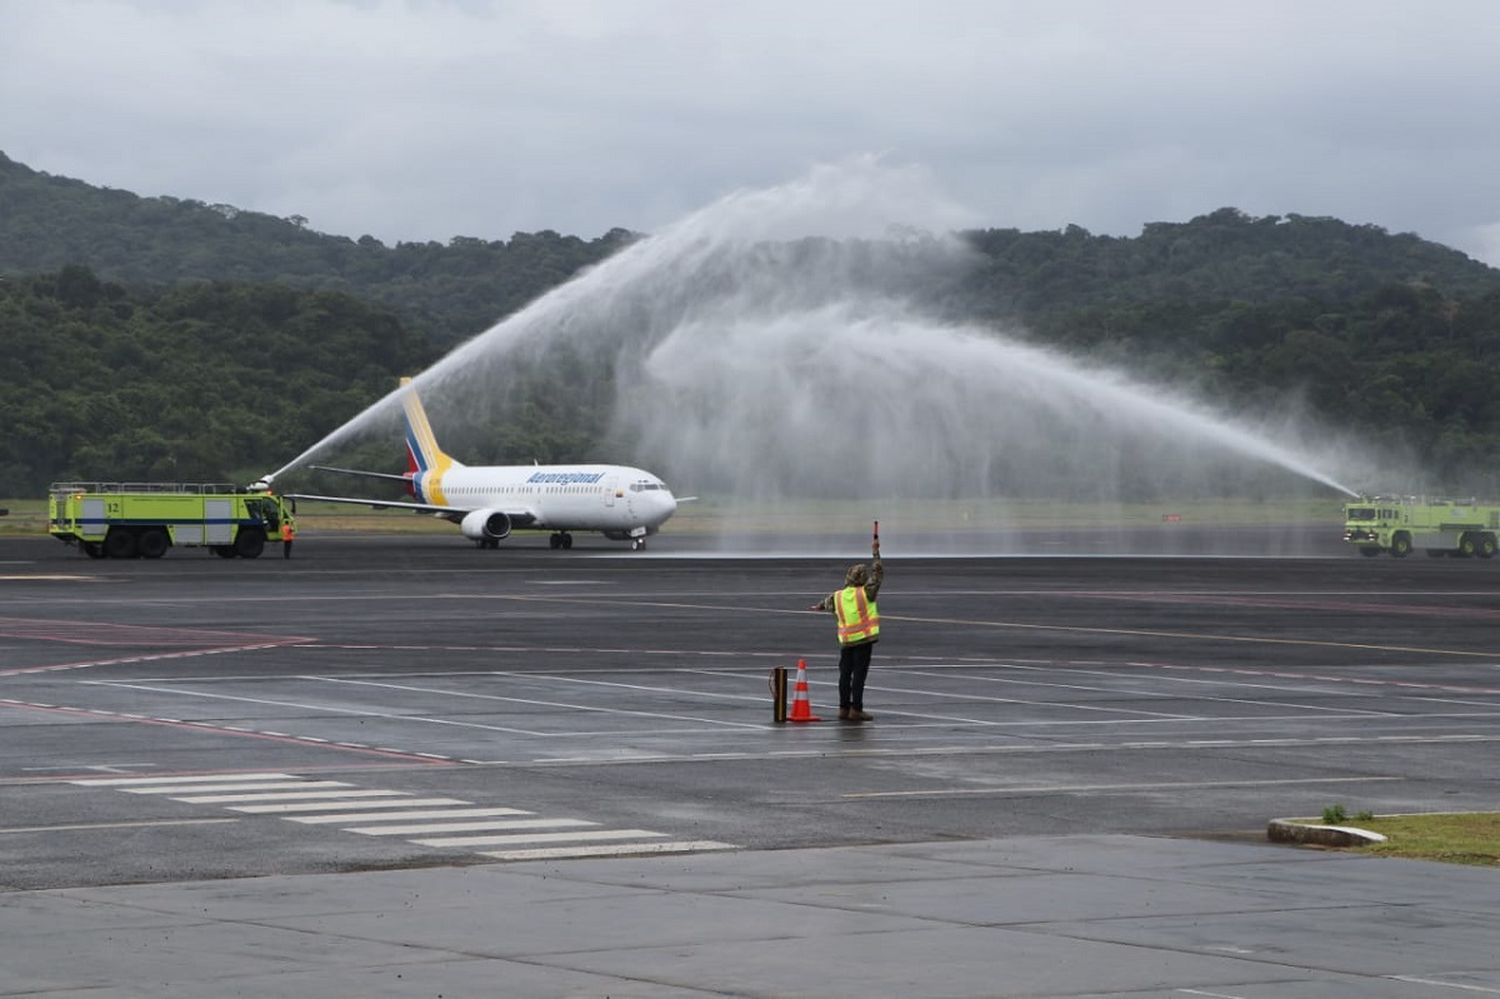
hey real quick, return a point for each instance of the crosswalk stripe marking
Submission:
(218, 788)
(323, 806)
(406, 815)
(392, 813)
(552, 837)
(208, 779)
(447, 827)
(611, 850)
(223, 799)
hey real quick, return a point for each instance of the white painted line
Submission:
(1126, 691)
(455, 827)
(209, 779)
(117, 825)
(407, 815)
(616, 850)
(1074, 788)
(317, 708)
(224, 799)
(569, 705)
(1446, 985)
(519, 838)
(969, 696)
(323, 806)
(207, 788)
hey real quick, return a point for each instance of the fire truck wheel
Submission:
(249, 543)
(119, 543)
(223, 551)
(153, 543)
(92, 549)
(1401, 545)
(1487, 545)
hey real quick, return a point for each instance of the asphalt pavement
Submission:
(559, 771)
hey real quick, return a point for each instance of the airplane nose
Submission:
(668, 504)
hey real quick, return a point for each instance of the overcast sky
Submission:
(427, 119)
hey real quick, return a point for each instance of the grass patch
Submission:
(27, 516)
(713, 515)
(1451, 837)
(1460, 838)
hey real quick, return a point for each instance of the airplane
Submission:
(488, 502)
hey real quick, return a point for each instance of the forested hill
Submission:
(454, 290)
(1226, 255)
(201, 382)
(451, 291)
(152, 336)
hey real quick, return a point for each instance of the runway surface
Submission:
(555, 773)
(393, 702)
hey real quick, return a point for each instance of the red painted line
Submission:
(193, 726)
(1302, 604)
(148, 657)
(1324, 678)
(103, 633)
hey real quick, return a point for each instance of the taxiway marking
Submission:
(223, 729)
(87, 826)
(1081, 788)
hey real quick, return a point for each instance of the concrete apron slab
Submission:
(1036, 916)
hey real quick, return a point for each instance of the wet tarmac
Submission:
(395, 746)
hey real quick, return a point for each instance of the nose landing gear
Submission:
(561, 539)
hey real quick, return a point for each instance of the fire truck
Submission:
(144, 519)
(1464, 528)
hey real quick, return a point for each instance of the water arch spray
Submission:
(790, 343)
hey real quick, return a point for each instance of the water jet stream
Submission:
(785, 343)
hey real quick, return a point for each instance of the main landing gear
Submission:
(637, 544)
(561, 539)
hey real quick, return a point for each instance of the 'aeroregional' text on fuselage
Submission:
(566, 477)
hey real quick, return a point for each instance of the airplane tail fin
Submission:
(422, 451)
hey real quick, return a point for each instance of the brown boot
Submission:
(859, 714)
(843, 714)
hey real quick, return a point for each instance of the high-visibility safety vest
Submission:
(859, 618)
(287, 533)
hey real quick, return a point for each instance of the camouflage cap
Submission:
(857, 575)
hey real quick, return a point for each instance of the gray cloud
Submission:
(423, 120)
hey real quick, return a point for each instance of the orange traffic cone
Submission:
(801, 704)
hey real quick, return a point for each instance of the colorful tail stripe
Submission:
(426, 460)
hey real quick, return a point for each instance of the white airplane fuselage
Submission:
(612, 499)
(487, 502)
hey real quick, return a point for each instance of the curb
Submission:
(1312, 834)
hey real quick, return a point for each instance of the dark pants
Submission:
(286, 549)
(854, 666)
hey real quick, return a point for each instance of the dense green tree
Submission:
(150, 337)
(191, 382)
(449, 291)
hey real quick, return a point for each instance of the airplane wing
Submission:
(519, 518)
(363, 474)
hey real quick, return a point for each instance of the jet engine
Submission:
(485, 525)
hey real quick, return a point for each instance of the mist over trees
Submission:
(163, 338)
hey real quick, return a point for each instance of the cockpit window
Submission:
(1361, 513)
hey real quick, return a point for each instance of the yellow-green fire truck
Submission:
(1460, 527)
(144, 519)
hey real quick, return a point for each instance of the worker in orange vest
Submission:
(287, 534)
(858, 629)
